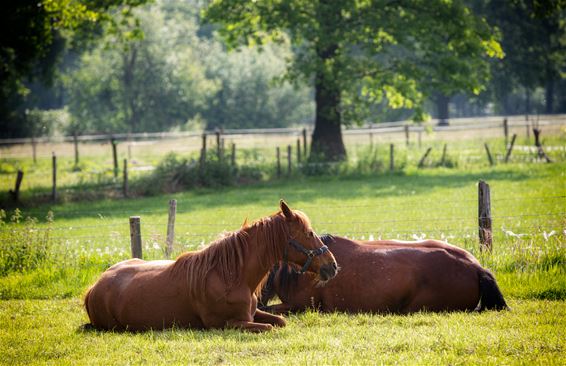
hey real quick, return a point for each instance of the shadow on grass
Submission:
(304, 189)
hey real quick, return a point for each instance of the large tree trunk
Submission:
(327, 143)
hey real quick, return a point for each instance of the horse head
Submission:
(305, 248)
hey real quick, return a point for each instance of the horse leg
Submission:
(264, 317)
(248, 326)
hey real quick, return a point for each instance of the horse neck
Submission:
(265, 249)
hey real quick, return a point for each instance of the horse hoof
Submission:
(280, 322)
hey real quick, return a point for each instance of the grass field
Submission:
(40, 306)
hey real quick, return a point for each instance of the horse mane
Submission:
(227, 255)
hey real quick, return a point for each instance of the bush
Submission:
(24, 245)
(175, 174)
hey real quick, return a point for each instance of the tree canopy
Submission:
(357, 52)
(33, 35)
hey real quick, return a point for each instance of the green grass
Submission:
(41, 315)
(48, 332)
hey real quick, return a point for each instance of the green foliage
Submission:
(370, 50)
(25, 247)
(249, 96)
(149, 83)
(176, 173)
(533, 35)
(33, 41)
(174, 78)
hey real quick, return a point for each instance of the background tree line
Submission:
(128, 66)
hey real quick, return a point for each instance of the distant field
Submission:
(464, 149)
(40, 312)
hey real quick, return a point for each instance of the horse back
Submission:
(422, 245)
(131, 294)
(398, 276)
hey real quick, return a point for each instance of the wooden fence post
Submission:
(16, 192)
(278, 154)
(391, 157)
(484, 216)
(125, 172)
(406, 127)
(203, 152)
(420, 138)
(54, 175)
(218, 145)
(443, 158)
(422, 161)
(171, 227)
(371, 140)
(488, 154)
(289, 159)
(114, 156)
(506, 131)
(34, 149)
(305, 142)
(135, 237)
(298, 151)
(540, 151)
(76, 143)
(233, 155)
(510, 147)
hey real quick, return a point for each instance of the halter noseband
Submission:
(310, 253)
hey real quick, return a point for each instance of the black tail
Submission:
(491, 296)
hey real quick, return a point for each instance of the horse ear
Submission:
(245, 224)
(286, 210)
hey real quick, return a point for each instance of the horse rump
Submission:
(491, 297)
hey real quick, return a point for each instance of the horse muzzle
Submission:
(328, 271)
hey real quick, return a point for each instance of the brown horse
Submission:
(388, 276)
(212, 288)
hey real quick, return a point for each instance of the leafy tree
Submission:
(32, 38)
(247, 97)
(178, 77)
(534, 41)
(365, 51)
(135, 83)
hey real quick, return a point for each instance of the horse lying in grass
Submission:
(212, 288)
(387, 276)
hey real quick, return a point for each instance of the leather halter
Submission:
(310, 253)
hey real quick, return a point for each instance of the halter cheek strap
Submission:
(310, 253)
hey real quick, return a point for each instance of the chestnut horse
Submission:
(388, 276)
(212, 288)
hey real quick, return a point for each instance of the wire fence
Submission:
(545, 221)
(101, 157)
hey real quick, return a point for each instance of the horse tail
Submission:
(491, 297)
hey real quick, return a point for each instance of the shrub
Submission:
(24, 245)
(175, 173)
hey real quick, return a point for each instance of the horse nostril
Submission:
(335, 266)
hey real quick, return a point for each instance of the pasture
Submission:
(40, 306)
